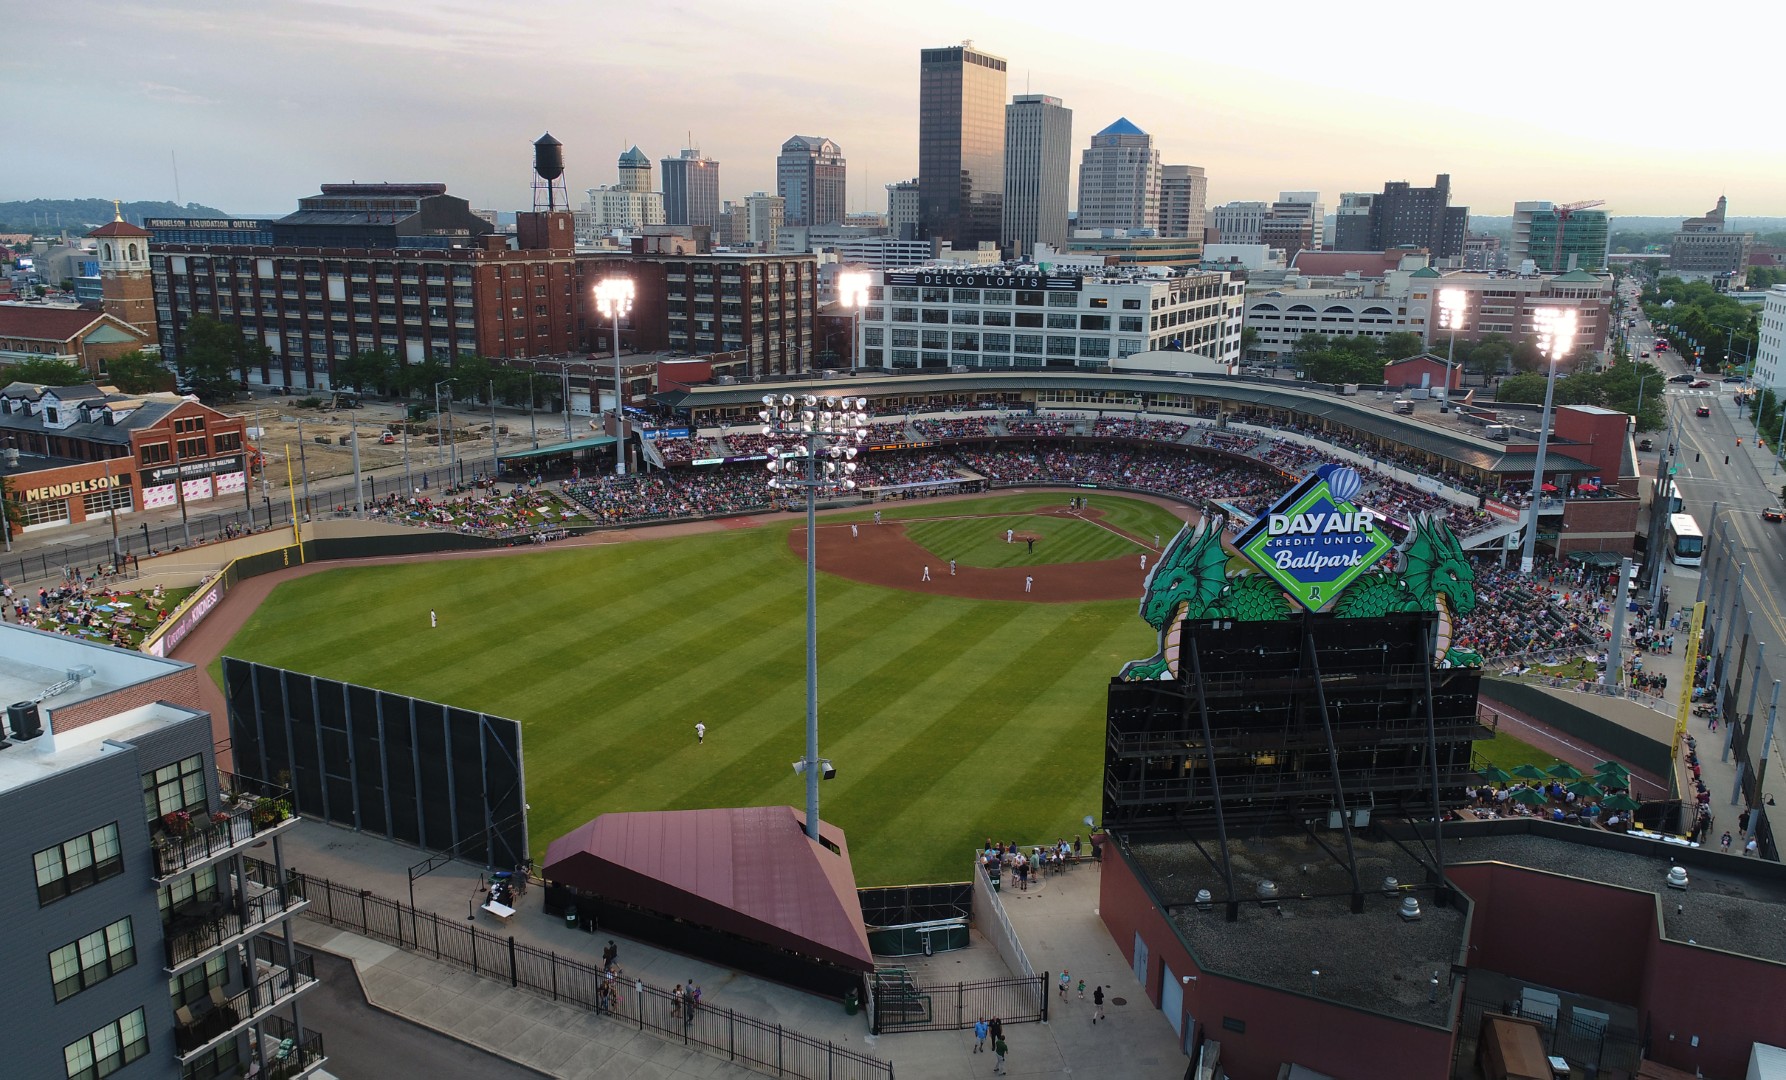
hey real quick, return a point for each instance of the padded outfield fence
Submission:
(744, 1040)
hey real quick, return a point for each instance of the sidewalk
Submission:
(1057, 923)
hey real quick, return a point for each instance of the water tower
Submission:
(548, 175)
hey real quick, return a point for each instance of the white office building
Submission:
(1239, 222)
(1011, 316)
(1770, 353)
(1119, 180)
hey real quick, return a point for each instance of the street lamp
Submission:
(825, 434)
(852, 293)
(1453, 303)
(614, 298)
(1556, 336)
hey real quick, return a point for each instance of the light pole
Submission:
(852, 293)
(614, 298)
(824, 434)
(1452, 305)
(439, 438)
(1556, 335)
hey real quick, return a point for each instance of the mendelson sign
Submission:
(1314, 542)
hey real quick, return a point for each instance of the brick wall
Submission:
(177, 688)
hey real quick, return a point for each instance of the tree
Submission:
(46, 372)
(213, 355)
(1526, 356)
(1249, 337)
(136, 372)
(1526, 387)
(1766, 277)
(15, 510)
(470, 377)
(1488, 356)
(371, 370)
(1400, 345)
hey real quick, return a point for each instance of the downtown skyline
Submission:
(261, 105)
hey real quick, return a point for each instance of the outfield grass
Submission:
(949, 719)
(980, 541)
(1506, 751)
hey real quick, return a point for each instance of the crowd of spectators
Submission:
(705, 492)
(965, 427)
(79, 609)
(739, 443)
(1555, 611)
(906, 467)
(1039, 425)
(488, 510)
(682, 451)
(1122, 427)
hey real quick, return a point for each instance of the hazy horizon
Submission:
(263, 104)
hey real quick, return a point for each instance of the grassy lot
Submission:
(949, 719)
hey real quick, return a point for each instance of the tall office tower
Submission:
(1184, 191)
(961, 145)
(1352, 221)
(809, 174)
(635, 171)
(1119, 180)
(1294, 223)
(1405, 216)
(1038, 168)
(765, 214)
(903, 210)
(691, 190)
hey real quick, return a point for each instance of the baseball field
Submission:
(966, 706)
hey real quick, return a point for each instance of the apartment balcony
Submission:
(436, 279)
(199, 931)
(182, 844)
(199, 1029)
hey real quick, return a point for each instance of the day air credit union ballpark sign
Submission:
(1314, 541)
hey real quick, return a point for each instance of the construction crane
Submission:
(1562, 212)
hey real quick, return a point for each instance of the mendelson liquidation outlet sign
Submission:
(1314, 542)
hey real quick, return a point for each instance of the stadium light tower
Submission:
(852, 293)
(1556, 336)
(1453, 303)
(614, 298)
(813, 444)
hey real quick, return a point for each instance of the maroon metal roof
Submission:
(748, 870)
(1366, 263)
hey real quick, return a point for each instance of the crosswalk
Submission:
(1682, 391)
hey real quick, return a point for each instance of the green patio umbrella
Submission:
(1562, 770)
(1529, 772)
(1530, 797)
(1494, 774)
(1621, 801)
(1612, 774)
(1586, 789)
(1612, 767)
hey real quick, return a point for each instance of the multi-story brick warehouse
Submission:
(403, 268)
(760, 307)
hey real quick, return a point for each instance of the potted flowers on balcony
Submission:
(177, 822)
(269, 812)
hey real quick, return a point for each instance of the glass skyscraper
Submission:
(961, 145)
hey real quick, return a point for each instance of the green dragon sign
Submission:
(1198, 578)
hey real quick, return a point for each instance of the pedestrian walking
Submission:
(1000, 1048)
(433, 619)
(926, 576)
(980, 1030)
(996, 1029)
(951, 567)
(854, 532)
(1028, 583)
(1010, 534)
(1097, 1001)
(1064, 982)
(1724, 841)
(676, 1001)
(1751, 848)
(700, 733)
(1081, 989)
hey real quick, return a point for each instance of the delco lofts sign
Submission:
(1314, 542)
(75, 487)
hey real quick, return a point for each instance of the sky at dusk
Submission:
(262, 102)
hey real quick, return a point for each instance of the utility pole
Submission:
(303, 467)
(359, 492)
(495, 462)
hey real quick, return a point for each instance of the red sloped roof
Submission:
(749, 870)
(119, 228)
(1335, 263)
(45, 323)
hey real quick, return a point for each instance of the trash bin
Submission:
(570, 916)
(852, 1002)
(994, 882)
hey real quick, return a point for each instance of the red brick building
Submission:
(71, 453)
(1424, 371)
(80, 336)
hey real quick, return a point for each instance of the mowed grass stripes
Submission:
(949, 720)
(980, 541)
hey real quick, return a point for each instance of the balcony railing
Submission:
(194, 933)
(275, 985)
(252, 808)
(292, 1052)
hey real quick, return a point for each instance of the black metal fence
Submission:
(897, 1002)
(744, 1040)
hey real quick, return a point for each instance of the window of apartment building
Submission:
(194, 448)
(1098, 347)
(107, 1050)
(1062, 345)
(195, 985)
(966, 296)
(1028, 298)
(996, 342)
(905, 314)
(188, 424)
(92, 959)
(228, 440)
(905, 338)
(1129, 324)
(936, 296)
(1098, 302)
(935, 339)
(967, 342)
(74, 864)
(995, 318)
(907, 293)
(1029, 318)
(1062, 321)
(995, 296)
(180, 786)
(936, 315)
(964, 317)
(200, 886)
(1028, 344)
(1063, 299)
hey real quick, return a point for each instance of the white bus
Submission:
(1686, 544)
